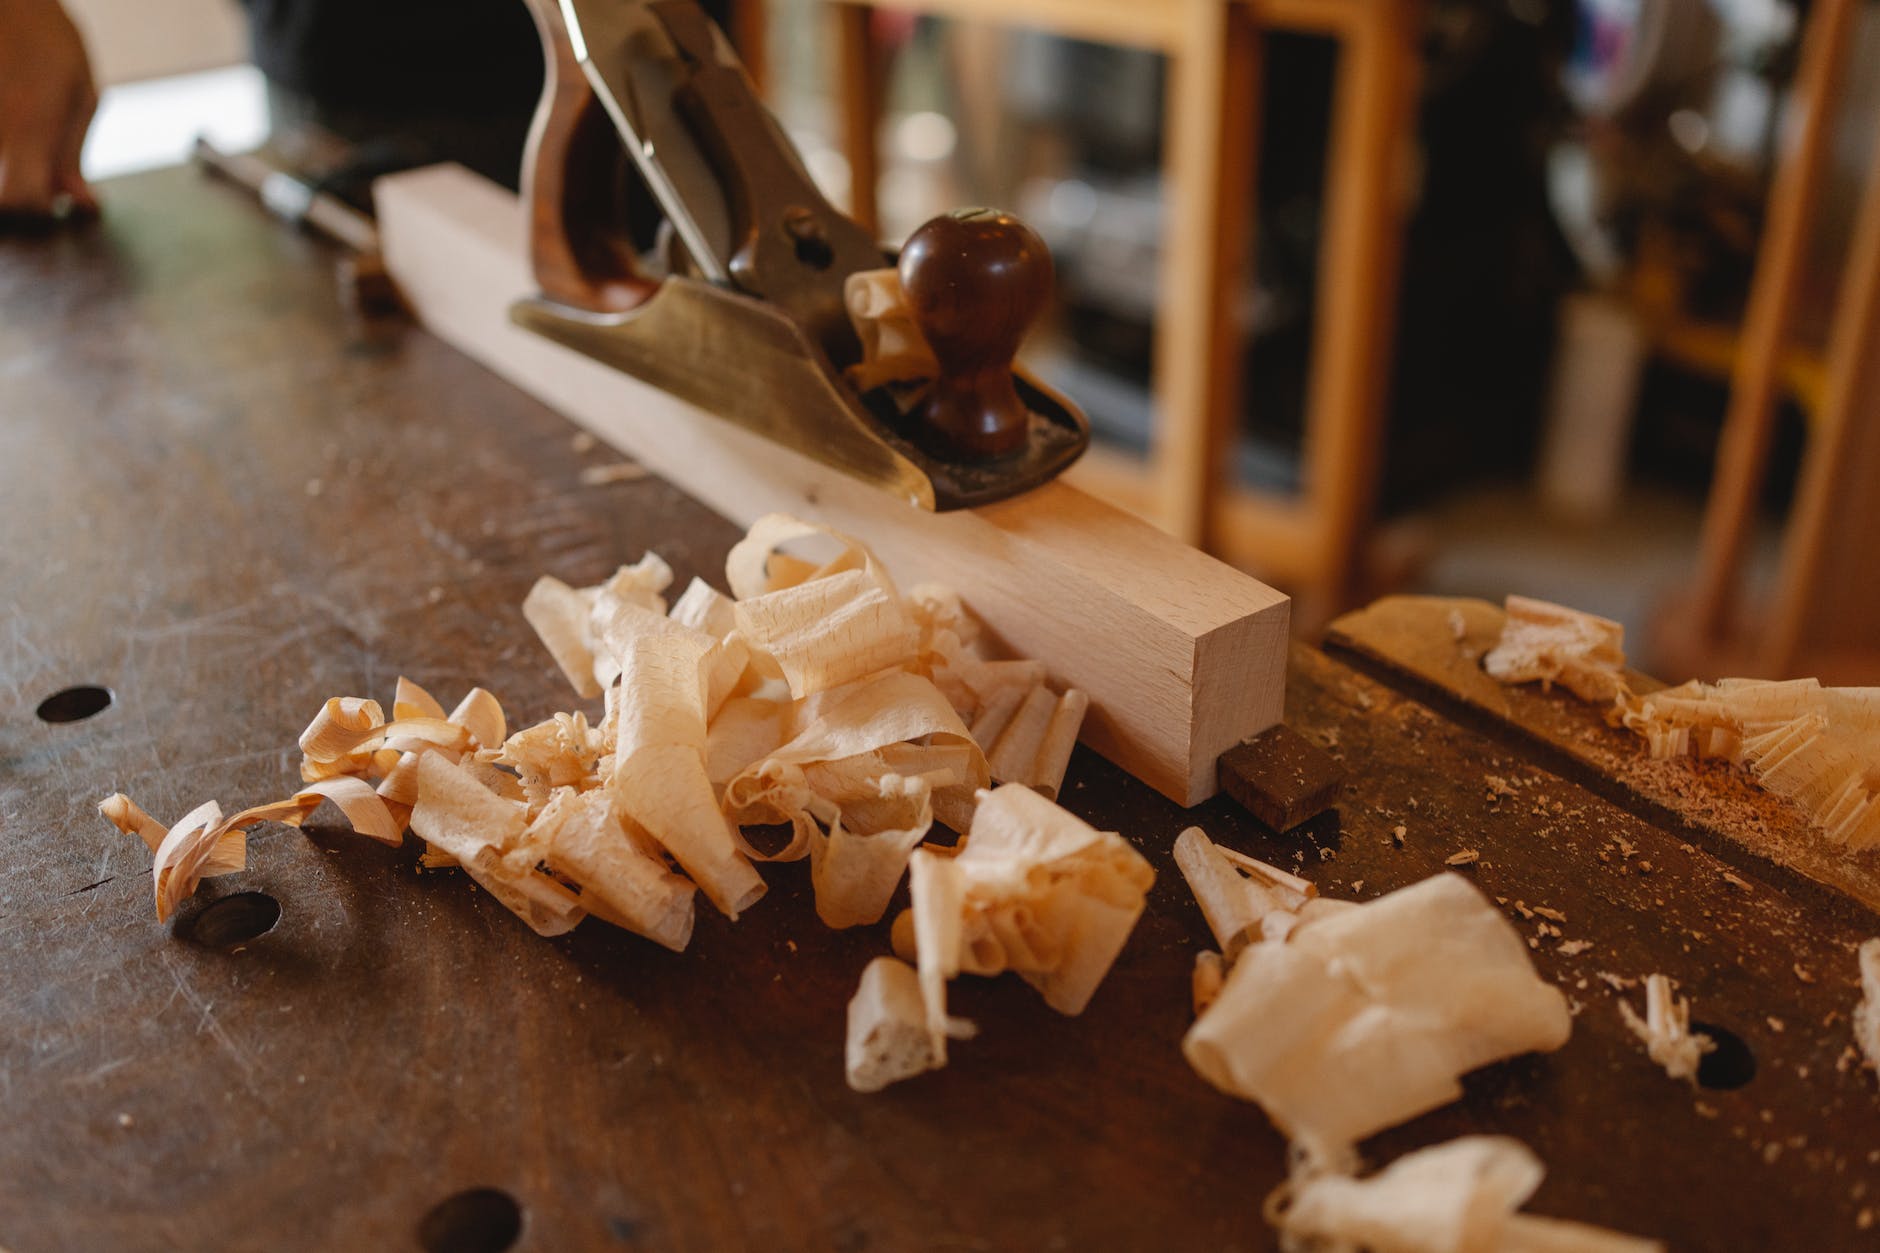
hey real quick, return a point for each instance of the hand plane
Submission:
(676, 235)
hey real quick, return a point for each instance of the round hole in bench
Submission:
(1729, 1065)
(74, 704)
(232, 920)
(477, 1220)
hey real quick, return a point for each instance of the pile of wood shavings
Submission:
(815, 696)
(1342, 1019)
(1816, 746)
(1550, 643)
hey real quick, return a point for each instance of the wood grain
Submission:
(175, 382)
(1182, 655)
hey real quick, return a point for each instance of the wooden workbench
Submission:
(225, 498)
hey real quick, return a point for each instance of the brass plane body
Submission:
(740, 359)
(743, 316)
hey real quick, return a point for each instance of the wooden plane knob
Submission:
(976, 280)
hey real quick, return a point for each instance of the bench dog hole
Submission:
(1730, 1065)
(232, 920)
(74, 704)
(477, 1220)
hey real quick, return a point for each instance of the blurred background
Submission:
(1569, 299)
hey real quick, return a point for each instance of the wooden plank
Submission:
(1182, 655)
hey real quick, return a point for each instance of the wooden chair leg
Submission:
(1828, 603)
(1744, 450)
(1211, 128)
(750, 20)
(1373, 113)
(859, 75)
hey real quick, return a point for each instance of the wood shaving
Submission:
(203, 844)
(1867, 1012)
(1666, 1030)
(1387, 1005)
(484, 833)
(1033, 746)
(893, 348)
(1033, 890)
(1457, 1197)
(1817, 746)
(1210, 975)
(1243, 900)
(888, 1040)
(1552, 644)
(616, 472)
(579, 626)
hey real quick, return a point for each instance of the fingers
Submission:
(67, 176)
(28, 158)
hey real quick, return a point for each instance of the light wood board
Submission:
(1182, 655)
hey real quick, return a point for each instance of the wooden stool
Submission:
(1822, 618)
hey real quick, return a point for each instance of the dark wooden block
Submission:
(1281, 777)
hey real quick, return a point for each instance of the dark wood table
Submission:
(226, 497)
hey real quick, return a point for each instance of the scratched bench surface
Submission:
(226, 498)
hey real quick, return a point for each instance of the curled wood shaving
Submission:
(202, 844)
(836, 763)
(888, 1040)
(484, 833)
(659, 784)
(562, 752)
(854, 873)
(1209, 975)
(1666, 1030)
(1817, 746)
(893, 349)
(823, 625)
(1244, 900)
(1034, 890)
(572, 622)
(1457, 1197)
(1385, 1006)
(1033, 747)
(1551, 643)
(622, 882)
(1867, 1012)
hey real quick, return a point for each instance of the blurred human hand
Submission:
(46, 102)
